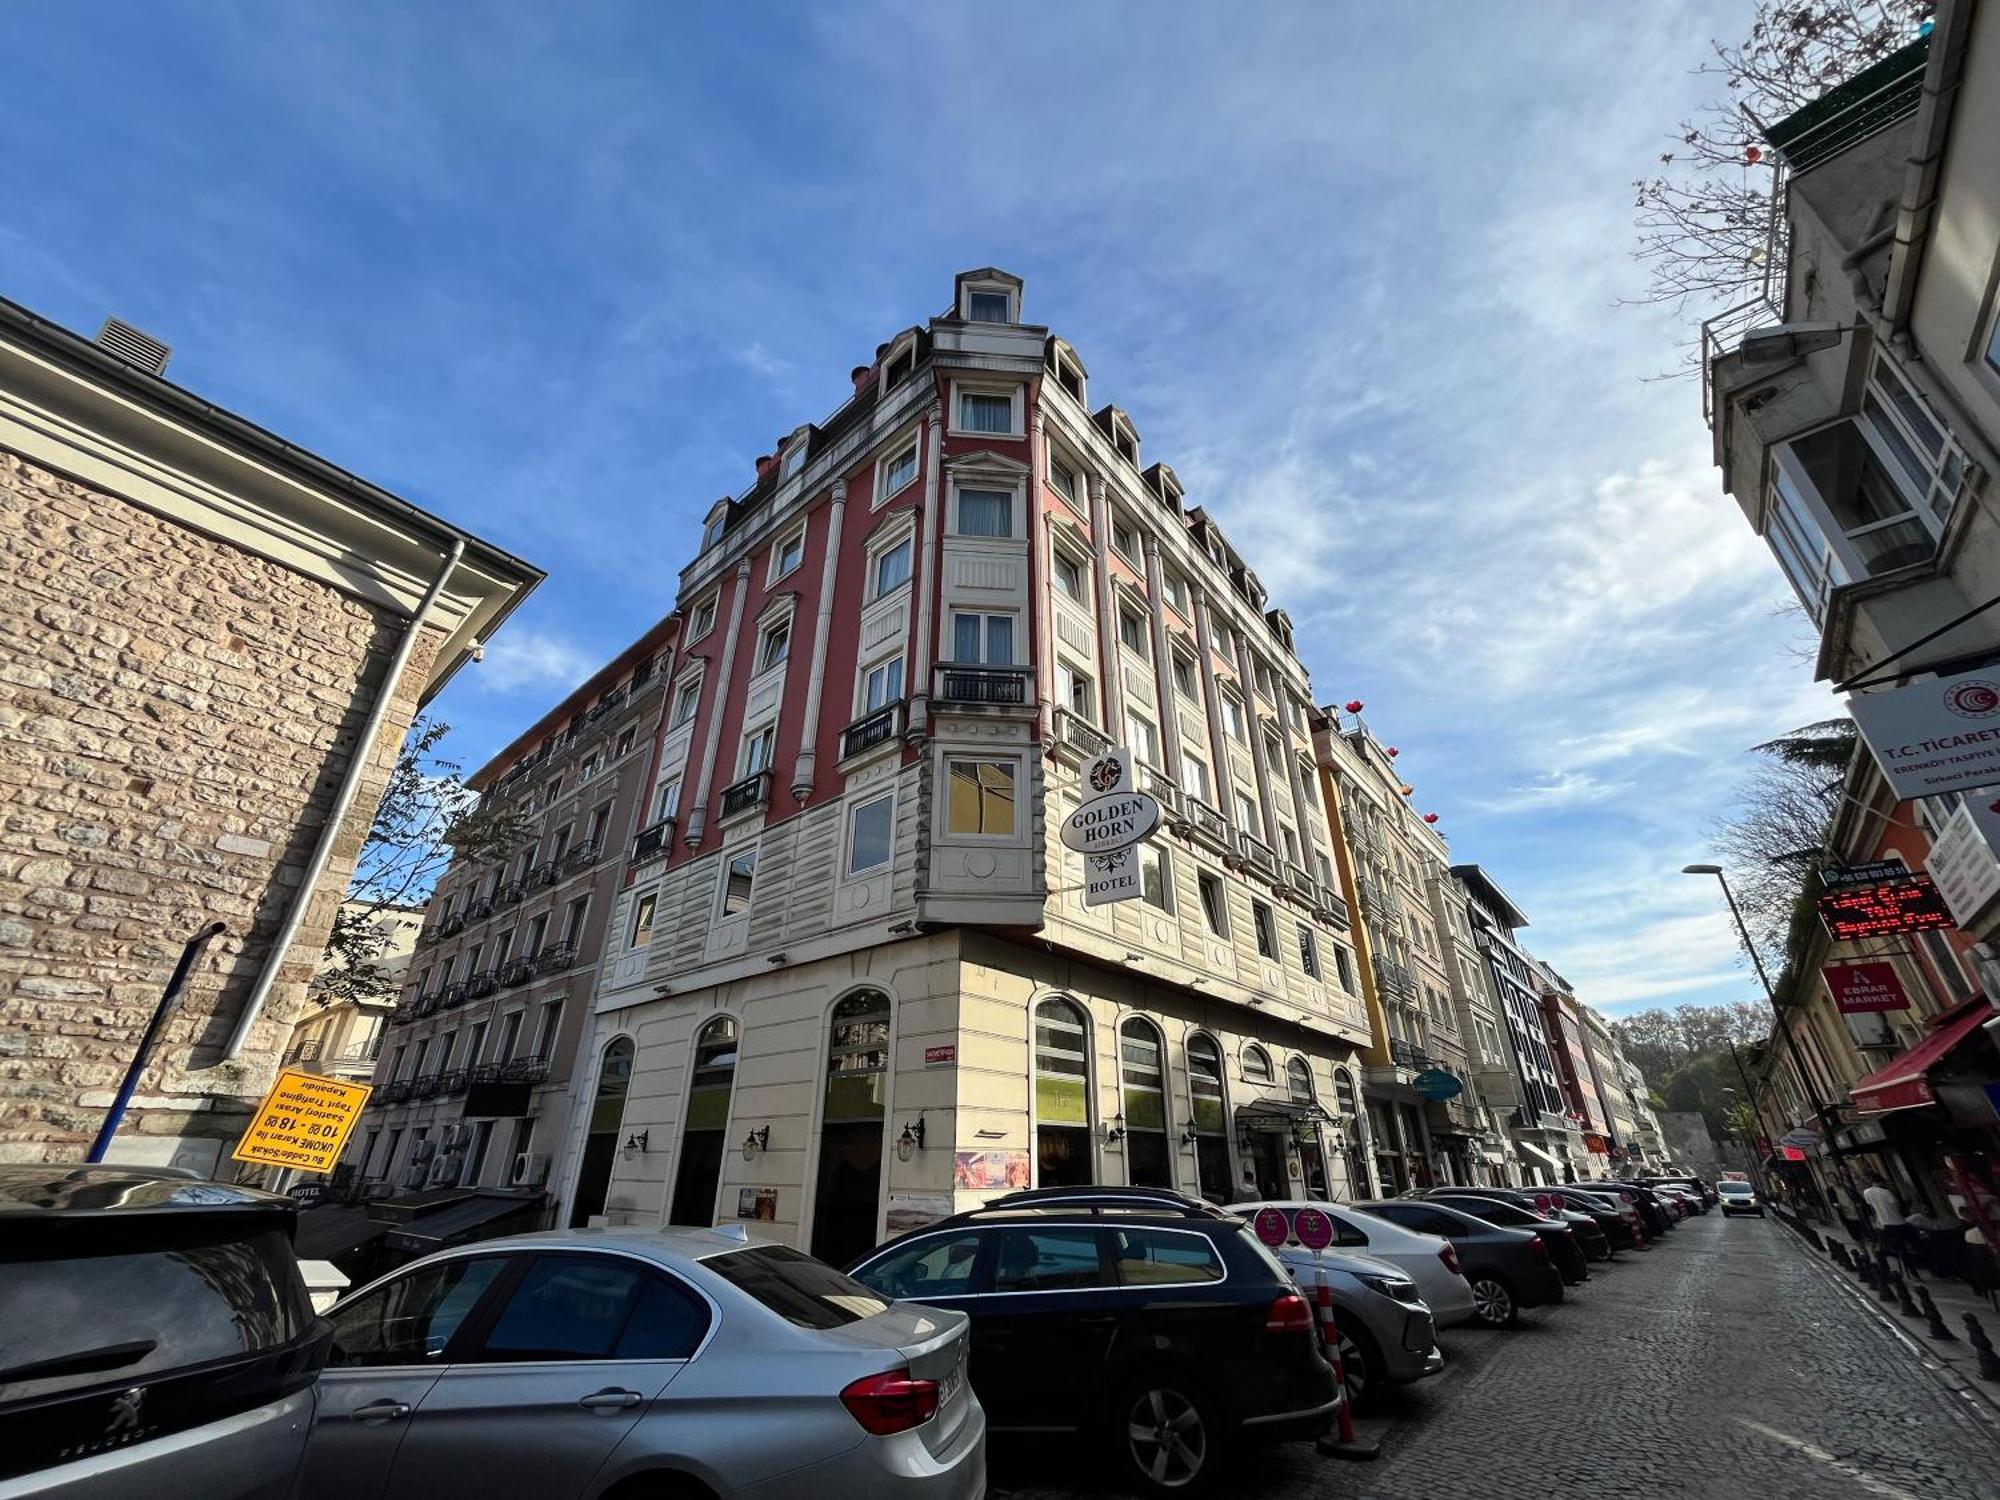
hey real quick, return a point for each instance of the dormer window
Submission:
(899, 368)
(988, 307)
(1070, 379)
(712, 532)
(794, 461)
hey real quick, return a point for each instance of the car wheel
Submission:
(1166, 1435)
(1361, 1366)
(1493, 1302)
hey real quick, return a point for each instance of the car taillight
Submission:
(891, 1402)
(1291, 1313)
(1541, 1246)
(1450, 1258)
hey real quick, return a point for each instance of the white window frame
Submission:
(645, 911)
(1145, 740)
(1017, 529)
(731, 857)
(1191, 689)
(854, 812)
(1001, 288)
(667, 800)
(1177, 592)
(1062, 557)
(1139, 642)
(878, 553)
(862, 679)
(779, 569)
(701, 619)
(1072, 499)
(1230, 709)
(985, 618)
(767, 735)
(1072, 683)
(1124, 528)
(1217, 921)
(1158, 852)
(765, 633)
(1206, 790)
(687, 690)
(1015, 393)
(910, 444)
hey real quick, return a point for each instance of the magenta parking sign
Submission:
(1271, 1227)
(1314, 1229)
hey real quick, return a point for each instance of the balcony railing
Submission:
(452, 925)
(453, 1082)
(1408, 1054)
(583, 856)
(424, 1086)
(555, 958)
(480, 910)
(1394, 980)
(652, 840)
(429, 935)
(609, 703)
(878, 728)
(453, 995)
(524, 1070)
(479, 986)
(1208, 822)
(1330, 904)
(516, 971)
(402, 1015)
(1001, 686)
(1257, 853)
(543, 875)
(1156, 781)
(429, 1004)
(510, 894)
(1075, 732)
(742, 796)
(1298, 882)
(396, 1091)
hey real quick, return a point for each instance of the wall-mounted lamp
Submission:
(1190, 1136)
(899, 928)
(1115, 1131)
(911, 1141)
(637, 1141)
(757, 1140)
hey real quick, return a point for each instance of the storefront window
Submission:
(1211, 1118)
(1062, 1096)
(1147, 1160)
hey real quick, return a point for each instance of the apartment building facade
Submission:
(217, 642)
(476, 1083)
(855, 982)
(1493, 1088)
(339, 1035)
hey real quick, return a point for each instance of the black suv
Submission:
(1150, 1320)
(155, 1336)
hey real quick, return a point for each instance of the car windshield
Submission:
(796, 1287)
(89, 1319)
(1734, 1189)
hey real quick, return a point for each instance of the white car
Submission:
(1427, 1259)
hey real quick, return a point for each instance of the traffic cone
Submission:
(1903, 1303)
(1346, 1446)
(1934, 1320)
(1989, 1362)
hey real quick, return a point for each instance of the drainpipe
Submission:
(928, 523)
(803, 767)
(698, 813)
(343, 800)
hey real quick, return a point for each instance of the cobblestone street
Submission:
(1724, 1363)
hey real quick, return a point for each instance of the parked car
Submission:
(1680, 1202)
(1652, 1208)
(1701, 1190)
(1146, 1320)
(155, 1336)
(1564, 1252)
(1609, 1216)
(1623, 1203)
(1590, 1239)
(1739, 1198)
(1427, 1259)
(582, 1362)
(1507, 1269)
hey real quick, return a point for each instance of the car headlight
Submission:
(1398, 1287)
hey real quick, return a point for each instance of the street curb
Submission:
(1972, 1401)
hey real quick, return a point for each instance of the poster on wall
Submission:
(977, 1170)
(909, 1211)
(757, 1203)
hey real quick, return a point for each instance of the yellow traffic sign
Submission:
(303, 1122)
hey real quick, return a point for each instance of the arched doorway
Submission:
(1211, 1119)
(1142, 1080)
(1312, 1152)
(1062, 1096)
(1348, 1103)
(711, 1077)
(600, 1142)
(847, 1200)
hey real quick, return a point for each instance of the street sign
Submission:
(1111, 877)
(1435, 1083)
(1314, 1229)
(1104, 825)
(1864, 987)
(1911, 904)
(1934, 737)
(1962, 860)
(303, 1122)
(1271, 1227)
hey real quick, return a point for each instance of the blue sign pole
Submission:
(168, 997)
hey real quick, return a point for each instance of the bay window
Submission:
(892, 568)
(981, 639)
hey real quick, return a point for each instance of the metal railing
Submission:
(396, 1091)
(479, 986)
(1208, 822)
(1298, 882)
(652, 839)
(583, 856)
(1075, 732)
(480, 910)
(555, 958)
(452, 925)
(1257, 853)
(543, 875)
(878, 728)
(453, 1082)
(511, 893)
(453, 995)
(425, 1086)
(1330, 904)
(524, 1070)
(750, 792)
(1002, 686)
(1394, 980)
(1162, 786)
(1408, 1054)
(516, 971)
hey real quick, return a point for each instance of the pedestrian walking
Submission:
(1892, 1228)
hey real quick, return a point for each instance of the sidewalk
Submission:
(1954, 1300)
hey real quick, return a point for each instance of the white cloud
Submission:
(519, 658)
(761, 361)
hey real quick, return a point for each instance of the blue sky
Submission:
(561, 273)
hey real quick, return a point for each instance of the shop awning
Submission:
(1902, 1084)
(1281, 1112)
(470, 1219)
(1554, 1162)
(334, 1229)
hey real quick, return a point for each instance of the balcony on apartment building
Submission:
(652, 840)
(743, 796)
(967, 684)
(555, 958)
(868, 731)
(516, 971)
(1395, 981)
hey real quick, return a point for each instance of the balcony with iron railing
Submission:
(544, 875)
(1394, 980)
(531, 1069)
(1330, 904)
(1257, 854)
(583, 856)
(516, 971)
(479, 986)
(997, 687)
(747, 795)
(511, 893)
(1163, 787)
(555, 958)
(453, 1082)
(877, 728)
(424, 1086)
(1408, 1054)
(428, 1004)
(652, 840)
(1299, 883)
(480, 910)
(396, 1091)
(453, 995)
(1208, 823)
(452, 925)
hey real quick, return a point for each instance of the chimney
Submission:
(134, 347)
(764, 464)
(861, 375)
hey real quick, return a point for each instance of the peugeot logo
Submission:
(125, 1410)
(1973, 700)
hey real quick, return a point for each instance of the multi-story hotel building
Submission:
(853, 982)
(1494, 1087)
(473, 1085)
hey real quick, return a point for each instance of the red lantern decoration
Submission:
(1394, 752)
(1753, 154)
(1430, 817)
(1408, 791)
(1354, 705)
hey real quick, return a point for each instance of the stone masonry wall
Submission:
(176, 715)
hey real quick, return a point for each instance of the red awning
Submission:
(1902, 1085)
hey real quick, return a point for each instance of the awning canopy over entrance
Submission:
(1902, 1084)
(1549, 1157)
(1279, 1114)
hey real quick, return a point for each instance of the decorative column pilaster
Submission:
(929, 523)
(1253, 727)
(1108, 663)
(725, 672)
(1218, 742)
(1163, 665)
(1042, 585)
(806, 764)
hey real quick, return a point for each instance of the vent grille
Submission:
(134, 347)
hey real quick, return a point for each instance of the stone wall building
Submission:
(206, 649)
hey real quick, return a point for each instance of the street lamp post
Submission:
(1818, 1106)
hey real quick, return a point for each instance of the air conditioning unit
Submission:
(531, 1169)
(413, 1176)
(444, 1170)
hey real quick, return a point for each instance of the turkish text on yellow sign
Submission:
(303, 1122)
